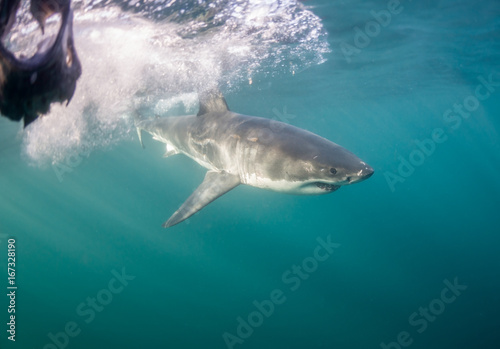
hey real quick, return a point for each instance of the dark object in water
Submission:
(29, 86)
(43, 9)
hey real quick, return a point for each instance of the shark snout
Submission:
(365, 173)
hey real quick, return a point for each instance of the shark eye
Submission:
(333, 170)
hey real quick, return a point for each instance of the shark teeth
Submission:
(327, 187)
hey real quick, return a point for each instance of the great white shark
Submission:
(239, 149)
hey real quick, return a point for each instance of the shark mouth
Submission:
(327, 187)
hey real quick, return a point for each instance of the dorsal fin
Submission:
(212, 101)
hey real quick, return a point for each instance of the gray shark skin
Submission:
(29, 86)
(239, 149)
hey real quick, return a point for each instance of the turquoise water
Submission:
(413, 260)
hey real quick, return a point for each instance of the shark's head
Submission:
(315, 165)
(328, 170)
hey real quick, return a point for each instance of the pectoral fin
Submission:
(214, 185)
